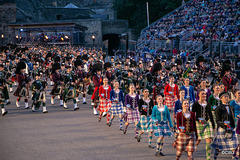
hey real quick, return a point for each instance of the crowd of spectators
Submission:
(199, 20)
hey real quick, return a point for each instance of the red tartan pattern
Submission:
(170, 101)
(186, 142)
(104, 105)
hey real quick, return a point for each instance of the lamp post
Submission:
(93, 39)
(2, 36)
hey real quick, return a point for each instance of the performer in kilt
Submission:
(132, 114)
(97, 80)
(81, 85)
(4, 74)
(203, 85)
(145, 106)
(162, 123)
(69, 91)
(189, 92)
(237, 150)
(204, 121)
(2, 86)
(214, 100)
(39, 87)
(23, 84)
(171, 93)
(187, 137)
(117, 98)
(226, 138)
(236, 105)
(58, 83)
(105, 103)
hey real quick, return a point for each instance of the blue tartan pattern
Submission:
(132, 116)
(116, 109)
(145, 124)
(162, 129)
(222, 143)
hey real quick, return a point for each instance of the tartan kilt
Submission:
(131, 116)
(104, 105)
(214, 118)
(186, 142)
(40, 97)
(18, 90)
(95, 95)
(162, 130)
(237, 152)
(116, 108)
(145, 124)
(204, 131)
(170, 102)
(54, 89)
(222, 143)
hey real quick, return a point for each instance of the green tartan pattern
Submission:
(204, 131)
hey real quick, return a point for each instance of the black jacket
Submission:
(197, 108)
(221, 116)
(142, 102)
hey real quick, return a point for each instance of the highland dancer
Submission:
(204, 121)
(117, 98)
(105, 103)
(162, 125)
(132, 114)
(145, 107)
(187, 137)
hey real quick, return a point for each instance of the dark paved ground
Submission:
(73, 135)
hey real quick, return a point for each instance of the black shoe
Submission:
(8, 103)
(45, 112)
(27, 108)
(99, 120)
(124, 131)
(84, 103)
(121, 129)
(110, 123)
(161, 154)
(157, 153)
(150, 146)
(6, 112)
(76, 109)
(138, 139)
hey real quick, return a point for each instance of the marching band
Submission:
(143, 93)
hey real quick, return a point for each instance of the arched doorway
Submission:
(111, 42)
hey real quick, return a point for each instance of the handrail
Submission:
(201, 52)
(165, 16)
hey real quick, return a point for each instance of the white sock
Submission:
(84, 99)
(26, 104)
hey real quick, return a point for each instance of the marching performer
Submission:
(203, 85)
(132, 114)
(189, 91)
(2, 86)
(171, 93)
(39, 88)
(97, 80)
(214, 100)
(204, 121)
(81, 84)
(162, 125)
(69, 88)
(236, 105)
(145, 106)
(226, 138)
(187, 137)
(117, 98)
(58, 83)
(105, 103)
(23, 84)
